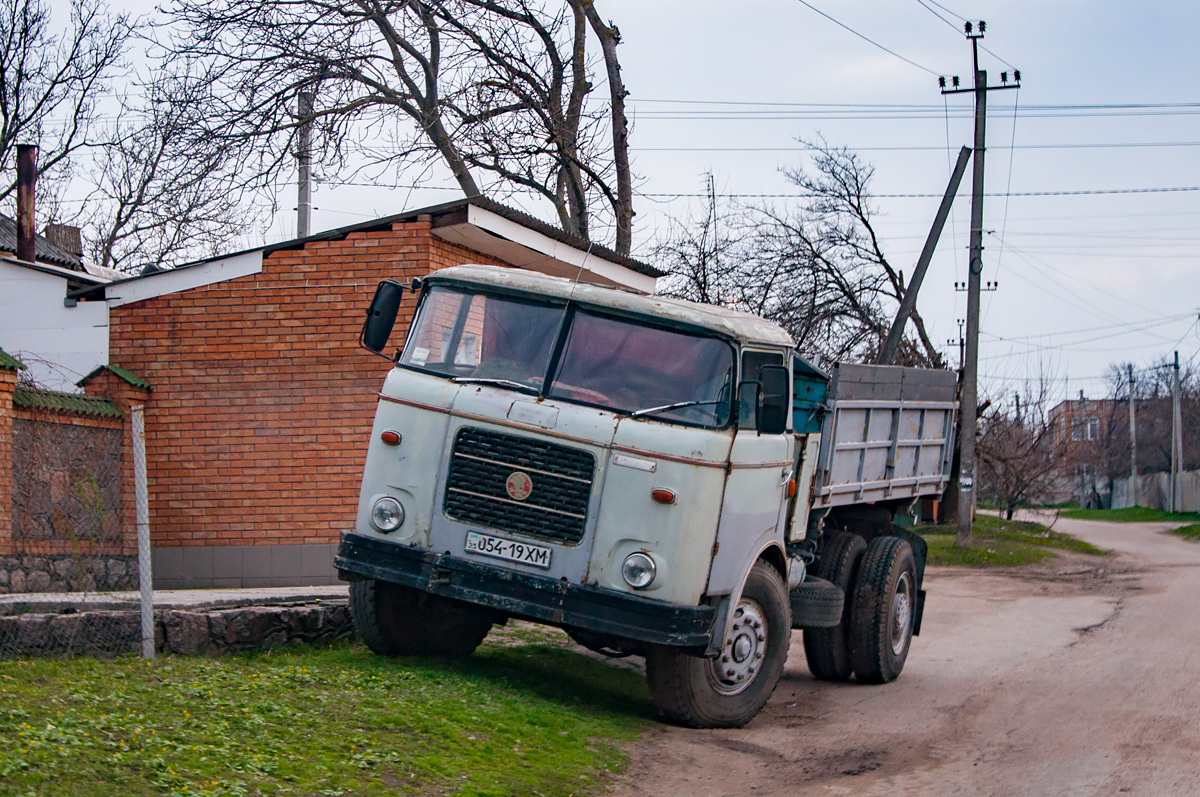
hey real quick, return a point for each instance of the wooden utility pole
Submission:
(969, 396)
(1133, 471)
(1176, 438)
(896, 333)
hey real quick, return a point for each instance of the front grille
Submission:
(561, 477)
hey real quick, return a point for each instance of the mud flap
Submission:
(920, 612)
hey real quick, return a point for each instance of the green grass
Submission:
(1136, 514)
(1191, 532)
(1001, 543)
(519, 717)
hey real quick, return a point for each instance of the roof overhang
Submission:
(489, 233)
(176, 280)
(81, 277)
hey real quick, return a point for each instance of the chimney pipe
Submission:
(26, 180)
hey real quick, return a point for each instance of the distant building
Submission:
(57, 337)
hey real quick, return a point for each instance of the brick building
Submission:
(259, 400)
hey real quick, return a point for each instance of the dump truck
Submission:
(656, 477)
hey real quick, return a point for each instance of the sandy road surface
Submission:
(1067, 681)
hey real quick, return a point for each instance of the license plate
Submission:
(513, 551)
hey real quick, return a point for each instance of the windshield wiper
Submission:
(478, 380)
(675, 406)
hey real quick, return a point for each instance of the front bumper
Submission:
(522, 595)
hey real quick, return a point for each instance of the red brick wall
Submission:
(8, 383)
(262, 400)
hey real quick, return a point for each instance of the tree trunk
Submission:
(610, 37)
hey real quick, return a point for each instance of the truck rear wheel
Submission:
(727, 691)
(827, 650)
(395, 620)
(882, 610)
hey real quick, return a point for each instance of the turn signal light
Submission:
(791, 488)
(390, 437)
(663, 496)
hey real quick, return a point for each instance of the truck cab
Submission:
(636, 470)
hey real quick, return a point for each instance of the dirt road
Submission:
(1069, 681)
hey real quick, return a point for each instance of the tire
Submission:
(817, 603)
(699, 692)
(827, 650)
(882, 610)
(394, 620)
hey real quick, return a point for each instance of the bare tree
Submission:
(817, 267)
(51, 82)
(1020, 457)
(158, 201)
(489, 88)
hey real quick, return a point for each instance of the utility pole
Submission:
(304, 160)
(969, 396)
(1176, 438)
(1133, 471)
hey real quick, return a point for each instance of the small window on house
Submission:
(1093, 428)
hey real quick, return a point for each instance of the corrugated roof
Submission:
(46, 252)
(119, 372)
(10, 363)
(65, 402)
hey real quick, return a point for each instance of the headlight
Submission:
(638, 570)
(387, 515)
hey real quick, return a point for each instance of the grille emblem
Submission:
(518, 485)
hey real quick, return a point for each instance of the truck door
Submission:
(755, 502)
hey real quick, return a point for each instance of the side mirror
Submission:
(381, 316)
(773, 404)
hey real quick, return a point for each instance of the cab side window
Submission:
(752, 363)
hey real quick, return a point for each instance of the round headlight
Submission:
(638, 570)
(387, 515)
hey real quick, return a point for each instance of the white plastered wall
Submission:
(59, 344)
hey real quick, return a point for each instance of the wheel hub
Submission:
(901, 614)
(744, 650)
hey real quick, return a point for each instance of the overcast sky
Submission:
(1084, 279)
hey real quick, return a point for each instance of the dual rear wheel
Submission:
(871, 643)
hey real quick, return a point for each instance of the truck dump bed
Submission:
(888, 434)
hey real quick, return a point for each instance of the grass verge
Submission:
(997, 542)
(1134, 514)
(529, 718)
(1191, 532)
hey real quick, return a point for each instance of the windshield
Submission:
(627, 366)
(609, 362)
(465, 335)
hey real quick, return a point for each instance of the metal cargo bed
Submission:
(888, 435)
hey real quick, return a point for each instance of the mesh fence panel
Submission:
(68, 570)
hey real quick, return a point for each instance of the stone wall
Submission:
(194, 632)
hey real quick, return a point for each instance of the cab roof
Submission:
(745, 327)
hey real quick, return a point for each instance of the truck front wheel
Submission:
(882, 610)
(728, 690)
(394, 620)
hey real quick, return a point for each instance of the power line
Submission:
(864, 38)
(1113, 145)
(939, 16)
(914, 106)
(1082, 192)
